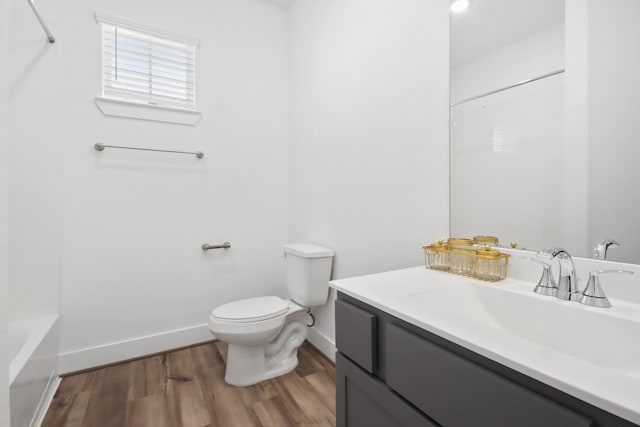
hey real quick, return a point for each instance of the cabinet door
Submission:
(363, 401)
(455, 391)
(356, 334)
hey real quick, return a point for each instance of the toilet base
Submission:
(248, 365)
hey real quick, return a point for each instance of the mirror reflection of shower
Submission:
(506, 116)
(547, 162)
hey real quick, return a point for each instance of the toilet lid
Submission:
(251, 309)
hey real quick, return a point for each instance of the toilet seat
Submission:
(251, 310)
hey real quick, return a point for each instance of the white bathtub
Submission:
(33, 368)
(17, 338)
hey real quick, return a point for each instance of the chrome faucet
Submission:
(546, 284)
(567, 280)
(600, 249)
(593, 294)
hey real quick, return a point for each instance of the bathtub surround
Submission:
(33, 371)
(4, 218)
(34, 165)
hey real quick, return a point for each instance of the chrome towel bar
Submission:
(100, 147)
(206, 246)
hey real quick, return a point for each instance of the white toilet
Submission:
(264, 333)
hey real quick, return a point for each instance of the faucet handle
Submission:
(547, 284)
(593, 294)
(600, 249)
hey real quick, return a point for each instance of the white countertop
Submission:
(409, 295)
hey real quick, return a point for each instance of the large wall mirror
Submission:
(545, 124)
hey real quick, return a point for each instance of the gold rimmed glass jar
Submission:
(461, 255)
(490, 264)
(486, 240)
(437, 256)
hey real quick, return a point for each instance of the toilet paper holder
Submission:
(206, 246)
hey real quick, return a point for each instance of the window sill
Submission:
(133, 110)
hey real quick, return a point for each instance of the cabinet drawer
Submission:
(364, 401)
(356, 334)
(457, 392)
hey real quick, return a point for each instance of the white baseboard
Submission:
(45, 401)
(106, 354)
(322, 343)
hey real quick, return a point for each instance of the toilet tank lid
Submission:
(308, 250)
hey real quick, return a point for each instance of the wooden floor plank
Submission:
(222, 349)
(257, 392)
(325, 388)
(186, 388)
(108, 400)
(307, 365)
(186, 405)
(272, 413)
(301, 402)
(148, 411)
(206, 357)
(227, 405)
(137, 380)
(77, 383)
(180, 366)
(320, 358)
(79, 408)
(68, 409)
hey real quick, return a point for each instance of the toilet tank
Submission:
(307, 273)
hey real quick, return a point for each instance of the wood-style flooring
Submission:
(186, 388)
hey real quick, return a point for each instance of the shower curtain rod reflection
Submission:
(100, 147)
(44, 26)
(524, 82)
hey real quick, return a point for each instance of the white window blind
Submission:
(145, 67)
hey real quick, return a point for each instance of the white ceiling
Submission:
(490, 24)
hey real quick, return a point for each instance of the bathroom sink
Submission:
(594, 335)
(590, 353)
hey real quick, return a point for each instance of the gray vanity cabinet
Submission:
(367, 402)
(391, 373)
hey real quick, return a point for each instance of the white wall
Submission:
(614, 128)
(575, 153)
(134, 222)
(4, 218)
(601, 99)
(367, 164)
(368, 159)
(35, 156)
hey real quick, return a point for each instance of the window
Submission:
(146, 66)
